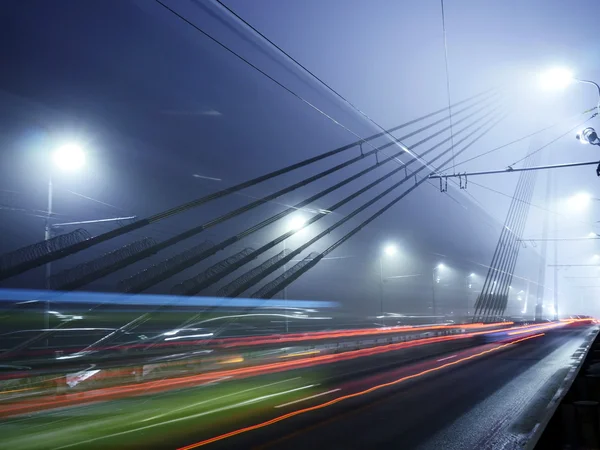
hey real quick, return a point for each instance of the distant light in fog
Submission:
(296, 223)
(579, 201)
(441, 266)
(556, 78)
(390, 249)
(70, 157)
(472, 275)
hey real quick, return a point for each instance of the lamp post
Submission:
(389, 250)
(435, 280)
(67, 158)
(469, 283)
(560, 78)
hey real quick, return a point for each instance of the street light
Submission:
(389, 250)
(588, 136)
(560, 78)
(69, 157)
(556, 78)
(435, 280)
(579, 201)
(469, 280)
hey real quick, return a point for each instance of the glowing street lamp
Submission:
(556, 78)
(389, 250)
(560, 78)
(435, 280)
(296, 223)
(588, 136)
(69, 157)
(579, 201)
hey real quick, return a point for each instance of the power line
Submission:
(400, 144)
(196, 230)
(531, 204)
(447, 81)
(521, 138)
(281, 282)
(557, 138)
(511, 170)
(361, 208)
(246, 61)
(210, 197)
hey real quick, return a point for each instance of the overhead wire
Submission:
(354, 107)
(141, 223)
(554, 140)
(200, 228)
(277, 287)
(481, 155)
(529, 203)
(447, 81)
(507, 248)
(489, 99)
(315, 218)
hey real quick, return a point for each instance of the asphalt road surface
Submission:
(486, 397)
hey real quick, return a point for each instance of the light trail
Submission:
(349, 396)
(214, 399)
(307, 398)
(249, 341)
(193, 416)
(149, 387)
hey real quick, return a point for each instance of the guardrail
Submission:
(572, 418)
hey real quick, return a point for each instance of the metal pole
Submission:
(381, 290)
(555, 257)
(468, 284)
(527, 296)
(285, 312)
(47, 236)
(512, 170)
(433, 305)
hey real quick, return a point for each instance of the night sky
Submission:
(154, 102)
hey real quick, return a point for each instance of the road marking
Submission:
(307, 398)
(349, 396)
(218, 398)
(447, 357)
(193, 416)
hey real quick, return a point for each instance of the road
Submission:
(490, 400)
(451, 395)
